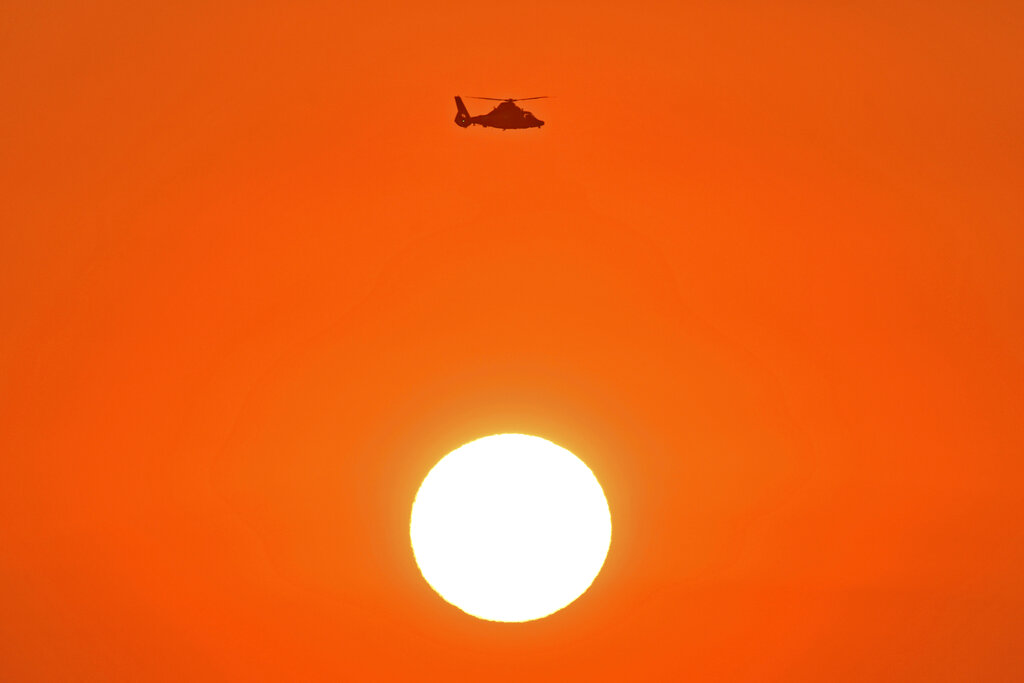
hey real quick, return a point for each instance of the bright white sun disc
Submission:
(510, 527)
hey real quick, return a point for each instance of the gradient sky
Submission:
(761, 270)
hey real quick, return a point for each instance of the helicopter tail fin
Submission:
(461, 118)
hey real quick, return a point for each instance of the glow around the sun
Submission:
(510, 527)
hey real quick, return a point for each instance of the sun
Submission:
(510, 527)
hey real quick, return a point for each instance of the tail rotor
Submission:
(462, 117)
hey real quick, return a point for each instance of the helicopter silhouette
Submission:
(506, 115)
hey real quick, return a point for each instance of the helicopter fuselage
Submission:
(505, 116)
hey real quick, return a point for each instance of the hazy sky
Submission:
(761, 270)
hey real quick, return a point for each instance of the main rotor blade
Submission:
(507, 99)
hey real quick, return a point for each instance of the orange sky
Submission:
(761, 270)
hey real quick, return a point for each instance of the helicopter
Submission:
(506, 115)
